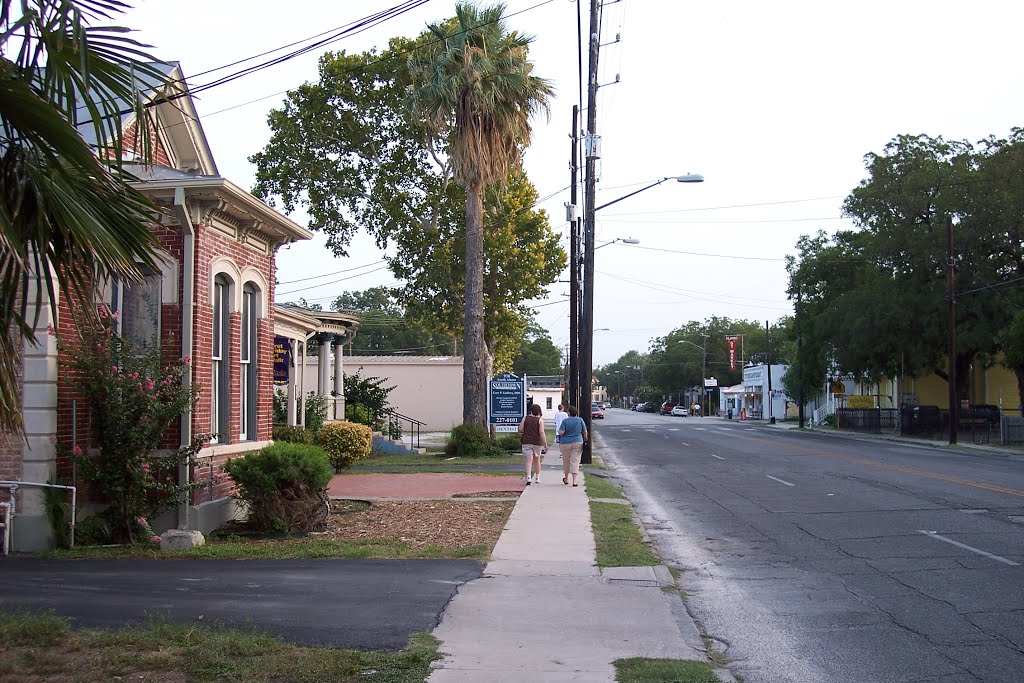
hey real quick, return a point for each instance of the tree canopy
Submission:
(351, 152)
(873, 300)
(68, 216)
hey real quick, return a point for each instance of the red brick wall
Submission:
(10, 444)
(159, 151)
(211, 244)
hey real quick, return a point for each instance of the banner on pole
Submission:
(731, 341)
(506, 402)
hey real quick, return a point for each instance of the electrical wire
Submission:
(336, 272)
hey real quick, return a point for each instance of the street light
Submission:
(624, 240)
(586, 326)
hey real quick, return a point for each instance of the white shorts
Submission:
(530, 450)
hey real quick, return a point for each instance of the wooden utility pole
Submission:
(574, 272)
(799, 358)
(592, 154)
(954, 401)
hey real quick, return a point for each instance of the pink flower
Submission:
(149, 385)
(135, 375)
(76, 450)
(115, 314)
(141, 521)
(145, 467)
(187, 360)
(120, 376)
(114, 368)
(104, 312)
(155, 539)
(50, 331)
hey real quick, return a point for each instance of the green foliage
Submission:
(57, 506)
(133, 399)
(537, 354)
(873, 300)
(97, 529)
(280, 407)
(293, 434)
(471, 441)
(63, 204)
(509, 442)
(283, 486)
(385, 328)
(316, 411)
(345, 442)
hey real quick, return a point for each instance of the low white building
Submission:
(763, 394)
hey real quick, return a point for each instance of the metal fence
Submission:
(979, 424)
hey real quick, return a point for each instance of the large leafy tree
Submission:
(67, 215)
(478, 92)
(873, 301)
(537, 354)
(384, 326)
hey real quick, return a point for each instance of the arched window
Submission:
(220, 406)
(247, 357)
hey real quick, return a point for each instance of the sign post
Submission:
(506, 402)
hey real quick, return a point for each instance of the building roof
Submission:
(406, 360)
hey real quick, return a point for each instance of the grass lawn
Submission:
(643, 670)
(43, 647)
(619, 541)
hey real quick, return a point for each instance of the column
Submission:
(293, 370)
(323, 385)
(339, 377)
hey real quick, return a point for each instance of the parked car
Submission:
(666, 407)
(680, 411)
(596, 411)
(644, 408)
(607, 405)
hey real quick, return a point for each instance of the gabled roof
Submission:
(177, 124)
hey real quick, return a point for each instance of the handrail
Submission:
(393, 416)
(13, 486)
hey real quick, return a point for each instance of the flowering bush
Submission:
(345, 442)
(133, 399)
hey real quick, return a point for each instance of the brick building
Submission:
(212, 299)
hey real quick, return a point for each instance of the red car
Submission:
(596, 411)
(666, 407)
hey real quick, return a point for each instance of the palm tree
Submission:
(67, 216)
(477, 88)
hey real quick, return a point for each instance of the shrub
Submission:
(509, 442)
(316, 411)
(280, 407)
(290, 434)
(471, 441)
(345, 442)
(283, 486)
(133, 398)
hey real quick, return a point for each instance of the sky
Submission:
(775, 104)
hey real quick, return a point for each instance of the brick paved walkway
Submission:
(420, 485)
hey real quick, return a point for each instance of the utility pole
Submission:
(703, 375)
(768, 336)
(574, 272)
(799, 358)
(587, 319)
(954, 401)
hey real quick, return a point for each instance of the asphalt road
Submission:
(813, 558)
(365, 604)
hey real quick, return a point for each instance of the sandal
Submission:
(575, 484)
(565, 481)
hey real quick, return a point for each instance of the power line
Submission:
(336, 272)
(728, 206)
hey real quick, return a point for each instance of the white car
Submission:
(680, 410)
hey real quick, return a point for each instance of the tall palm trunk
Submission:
(474, 378)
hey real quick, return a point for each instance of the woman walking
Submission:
(535, 441)
(571, 435)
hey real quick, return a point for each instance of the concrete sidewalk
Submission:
(544, 611)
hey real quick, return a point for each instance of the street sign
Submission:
(710, 381)
(709, 390)
(506, 402)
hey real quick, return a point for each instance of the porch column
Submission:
(339, 378)
(323, 385)
(293, 369)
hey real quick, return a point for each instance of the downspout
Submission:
(188, 291)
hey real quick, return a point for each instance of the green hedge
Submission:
(345, 442)
(284, 486)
